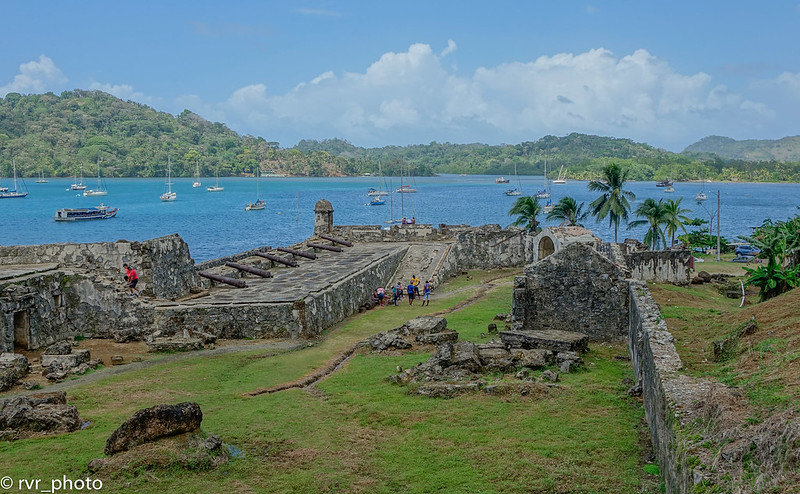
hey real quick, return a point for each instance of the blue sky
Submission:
(380, 73)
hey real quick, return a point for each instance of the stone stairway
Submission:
(422, 260)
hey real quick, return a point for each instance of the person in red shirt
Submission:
(132, 278)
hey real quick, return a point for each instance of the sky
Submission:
(379, 73)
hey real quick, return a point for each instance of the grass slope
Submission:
(356, 432)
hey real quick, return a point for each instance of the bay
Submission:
(215, 224)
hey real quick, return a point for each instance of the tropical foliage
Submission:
(655, 215)
(780, 245)
(526, 208)
(568, 210)
(614, 201)
(675, 218)
(55, 134)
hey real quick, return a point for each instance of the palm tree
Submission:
(675, 218)
(527, 208)
(614, 201)
(655, 215)
(567, 209)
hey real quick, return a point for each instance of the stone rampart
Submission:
(401, 233)
(164, 266)
(661, 266)
(656, 364)
(485, 247)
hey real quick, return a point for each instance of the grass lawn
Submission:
(356, 432)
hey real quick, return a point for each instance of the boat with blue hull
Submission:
(101, 212)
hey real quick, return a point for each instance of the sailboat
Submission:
(78, 185)
(215, 188)
(373, 192)
(544, 193)
(516, 191)
(41, 179)
(169, 196)
(404, 189)
(14, 193)
(259, 204)
(701, 196)
(562, 177)
(100, 190)
(196, 182)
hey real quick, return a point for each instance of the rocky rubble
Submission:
(423, 330)
(460, 366)
(37, 414)
(59, 361)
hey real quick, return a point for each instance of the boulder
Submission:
(425, 325)
(389, 340)
(117, 360)
(13, 367)
(446, 390)
(495, 356)
(150, 424)
(22, 416)
(550, 376)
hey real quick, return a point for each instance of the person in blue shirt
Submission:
(426, 293)
(410, 294)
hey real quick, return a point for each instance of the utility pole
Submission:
(718, 243)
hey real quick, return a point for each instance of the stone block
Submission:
(58, 348)
(534, 358)
(446, 390)
(117, 360)
(437, 338)
(551, 339)
(60, 362)
(465, 356)
(174, 345)
(83, 355)
(13, 367)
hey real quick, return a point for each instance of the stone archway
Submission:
(546, 247)
(22, 329)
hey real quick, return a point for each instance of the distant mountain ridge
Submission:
(785, 149)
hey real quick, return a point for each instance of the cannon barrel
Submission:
(249, 269)
(295, 252)
(223, 279)
(278, 259)
(336, 240)
(331, 248)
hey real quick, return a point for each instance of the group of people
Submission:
(412, 221)
(412, 292)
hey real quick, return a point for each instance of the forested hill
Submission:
(786, 149)
(58, 134)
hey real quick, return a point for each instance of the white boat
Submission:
(501, 180)
(562, 177)
(78, 185)
(544, 193)
(169, 195)
(406, 189)
(549, 206)
(14, 193)
(101, 212)
(41, 179)
(376, 201)
(215, 188)
(196, 182)
(100, 190)
(669, 189)
(700, 197)
(259, 204)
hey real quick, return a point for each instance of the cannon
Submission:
(278, 259)
(249, 269)
(336, 240)
(223, 279)
(331, 248)
(295, 252)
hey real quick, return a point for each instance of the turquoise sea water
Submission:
(215, 224)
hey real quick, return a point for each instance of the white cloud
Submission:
(450, 48)
(35, 77)
(411, 97)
